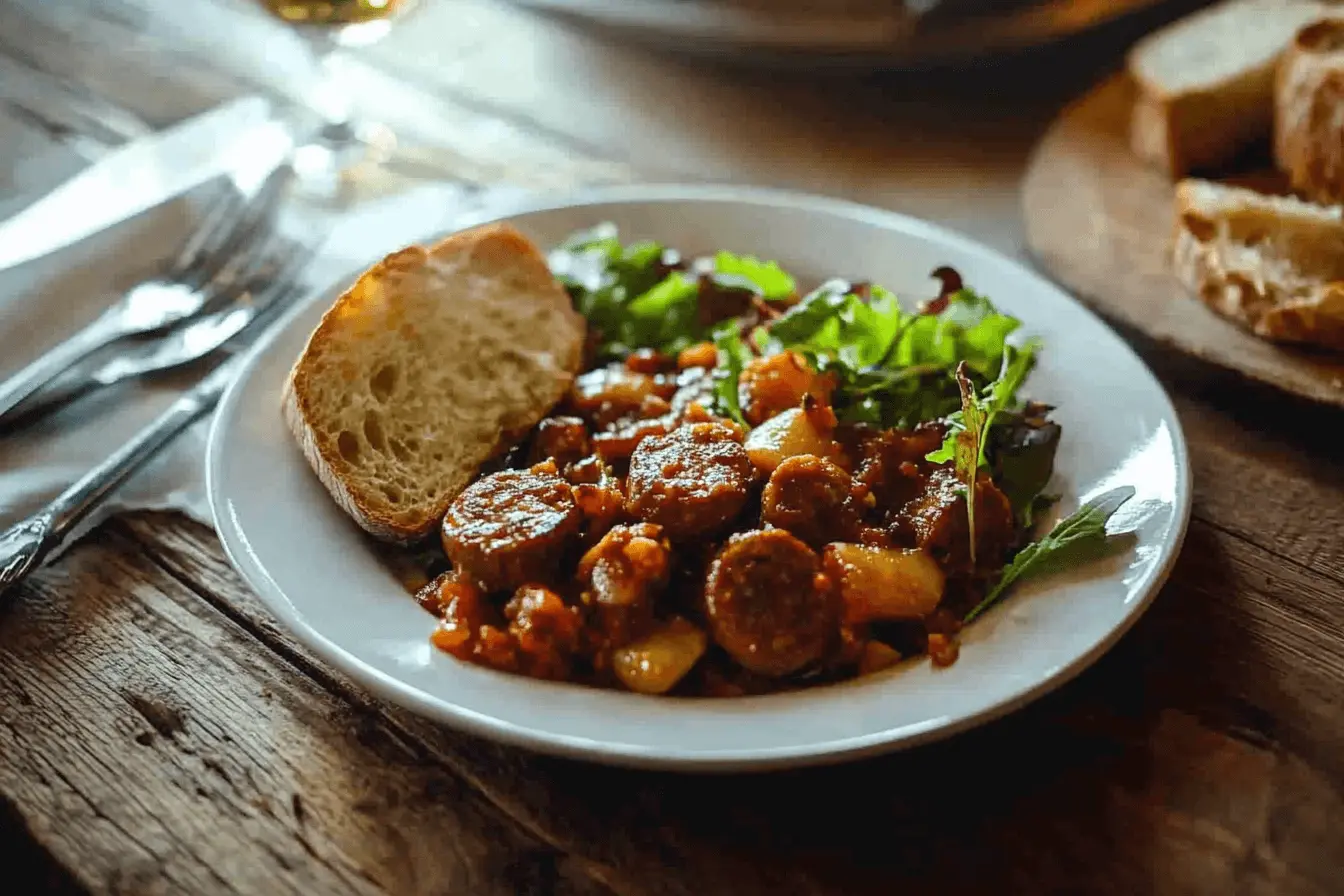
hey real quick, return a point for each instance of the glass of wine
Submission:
(342, 142)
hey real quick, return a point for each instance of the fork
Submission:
(26, 544)
(222, 251)
(179, 347)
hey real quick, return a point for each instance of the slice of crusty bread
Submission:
(1274, 264)
(430, 363)
(1206, 82)
(1309, 111)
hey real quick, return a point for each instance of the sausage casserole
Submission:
(748, 489)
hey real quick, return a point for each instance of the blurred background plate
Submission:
(868, 33)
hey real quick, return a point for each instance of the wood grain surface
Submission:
(1101, 221)
(160, 733)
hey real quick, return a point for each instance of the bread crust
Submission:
(1272, 288)
(1309, 111)
(1207, 123)
(498, 244)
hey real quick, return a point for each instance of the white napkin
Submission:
(45, 300)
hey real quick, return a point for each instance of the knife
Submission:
(90, 124)
(136, 177)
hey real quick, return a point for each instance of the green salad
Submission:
(952, 369)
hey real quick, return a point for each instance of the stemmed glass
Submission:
(343, 142)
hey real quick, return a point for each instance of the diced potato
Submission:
(787, 435)
(883, 583)
(876, 657)
(655, 663)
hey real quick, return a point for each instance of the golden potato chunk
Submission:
(786, 435)
(655, 663)
(883, 583)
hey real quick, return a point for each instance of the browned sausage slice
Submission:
(812, 498)
(768, 604)
(691, 481)
(610, 393)
(562, 439)
(510, 528)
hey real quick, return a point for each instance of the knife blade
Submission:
(55, 106)
(138, 176)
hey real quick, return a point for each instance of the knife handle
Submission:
(56, 361)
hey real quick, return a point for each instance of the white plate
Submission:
(310, 565)
(874, 33)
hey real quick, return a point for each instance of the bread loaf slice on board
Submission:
(1309, 111)
(1274, 264)
(1206, 82)
(424, 368)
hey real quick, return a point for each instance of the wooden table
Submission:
(160, 734)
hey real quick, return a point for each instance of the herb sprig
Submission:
(1079, 538)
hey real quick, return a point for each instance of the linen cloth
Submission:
(45, 300)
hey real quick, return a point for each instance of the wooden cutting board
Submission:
(1099, 221)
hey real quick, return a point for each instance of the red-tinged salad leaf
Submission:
(1075, 540)
(1021, 452)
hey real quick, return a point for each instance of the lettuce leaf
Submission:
(640, 295)
(893, 368)
(603, 277)
(733, 356)
(765, 278)
(664, 317)
(998, 397)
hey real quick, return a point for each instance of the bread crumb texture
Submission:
(430, 363)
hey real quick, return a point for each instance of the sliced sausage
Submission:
(769, 606)
(607, 394)
(813, 499)
(510, 528)
(691, 481)
(620, 441)
(562, 439)
(937, 518)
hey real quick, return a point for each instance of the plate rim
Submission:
(876, 35)
(815, 753)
